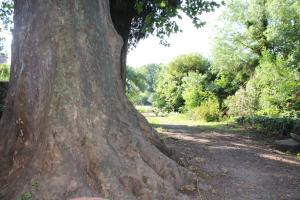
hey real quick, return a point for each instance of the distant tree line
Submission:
(253, 71)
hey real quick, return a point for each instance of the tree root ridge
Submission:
(115, 164)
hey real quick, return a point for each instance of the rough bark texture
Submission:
(68, 129)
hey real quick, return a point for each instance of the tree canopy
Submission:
(137, 19)
(158, 17)
(172, 81)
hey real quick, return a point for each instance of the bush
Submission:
(271, 91)
(4, 72)
(207, 111)
(194, 92)
(296, 127)
(244, 102)
(174, 79)
(270, 126)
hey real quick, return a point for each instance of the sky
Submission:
(191, 40)
(149, 50)
(7, 44)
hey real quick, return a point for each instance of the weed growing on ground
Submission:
(298, 156)
(29, 195)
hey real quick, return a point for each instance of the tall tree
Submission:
(240, 43)
(135, 85)
(258, 49)
(137, 19)
(68, 129)
(170, 85)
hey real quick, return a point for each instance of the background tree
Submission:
(194, 92)
(140, 83)
(284, 30)
(135, 86)
(268, 92)
(256, 52)
(170, 85)
(150, 72)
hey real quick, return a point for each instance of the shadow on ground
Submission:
(233, 162)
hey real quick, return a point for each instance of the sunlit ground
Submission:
(157, 118)
(163, 122)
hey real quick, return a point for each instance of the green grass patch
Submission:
(182, 119)
(144, 109)
(160, 122)
(173, 118)
(4, 72)
(298, 156)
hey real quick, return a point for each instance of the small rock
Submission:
(72, 186)
(188, 188)
(225, 171)
(287, 142)
(288, 145)
(295, 137)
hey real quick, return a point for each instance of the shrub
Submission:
(278, 85)
(296, 127)
(207, 111)
(170, 83)
(244, 102)
(194, 92)
(270, 126)
(4, 72)
(271, 91)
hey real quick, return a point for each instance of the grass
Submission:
(182, 119)
(4, 72)
(144, 109)
(158, 119)
(161, 123)
(228, 126)
(164, 123)
(29, 195)
(173, 118)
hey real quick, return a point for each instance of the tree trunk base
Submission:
(68, 130)
(120, 164)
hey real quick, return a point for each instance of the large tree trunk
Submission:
(68, 126)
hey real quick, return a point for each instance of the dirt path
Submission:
(236, 167)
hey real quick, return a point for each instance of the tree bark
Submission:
(68, 129)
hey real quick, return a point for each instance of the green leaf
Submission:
(162, 4)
